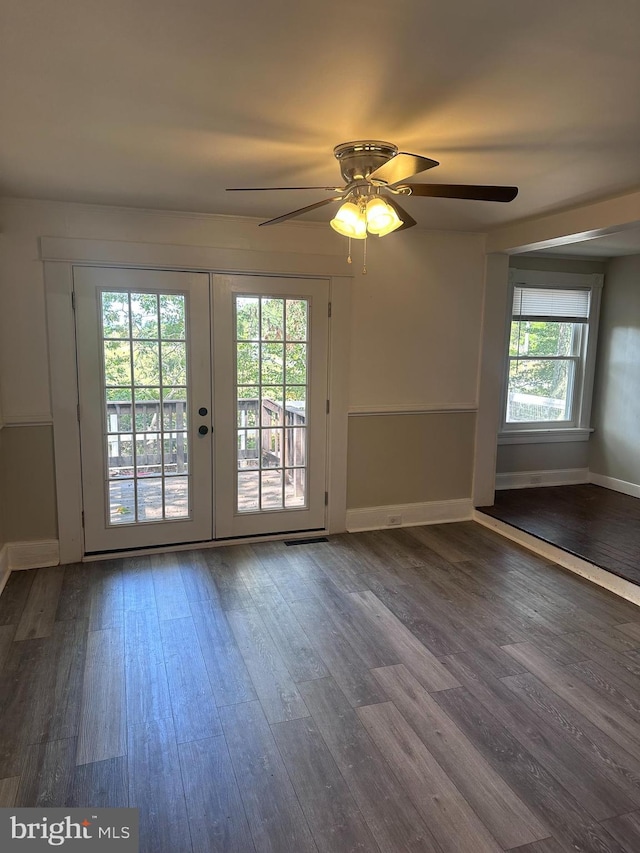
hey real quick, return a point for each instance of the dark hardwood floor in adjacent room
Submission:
(429, 689)
(597, 524)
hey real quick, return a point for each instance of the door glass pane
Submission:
(294, 490)
(144, 316)
(172, 322)
(271, 380)
(145, 370)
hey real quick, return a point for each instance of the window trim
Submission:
(578, 429)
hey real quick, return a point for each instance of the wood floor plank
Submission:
(356, 626)
(410, 651)
(194, 709)
(623, 666)
(107, 596)
(15, 594)
(289, 637)
(8, 792)
(576, 773)
(7, 633)
(271, 679)
(506, 816)
(101, 785)
(343, 662)
(243, 564)
(65, 658)
(331, 812)
(626, 830)
(464, 631)
(40, 692)
(199, 583)
(228, 675)
(230, 586)
(155, 788)
(585, 700)
(275, 818)
(39, 612)
(147, 689)
(621, 768)
(548, 845)
(171, 596)
(47, 774)
(617, 640)
(392, 819)
(24, 688)
(617, 692)
(432, 632)
(286, 572)
(74, 601)
(102, 732)
(217, 819)
(452, 821)
(632, 630)
(137, 583)
(571, 825)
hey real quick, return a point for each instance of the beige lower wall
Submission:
(27, 484)
(409, 458)
(552, 456)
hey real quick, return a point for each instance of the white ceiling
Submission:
(163, 104)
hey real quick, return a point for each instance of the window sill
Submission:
(544, 436)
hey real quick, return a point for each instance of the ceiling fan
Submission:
(375, 175)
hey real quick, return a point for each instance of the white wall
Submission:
(615, 444)
(415, 325)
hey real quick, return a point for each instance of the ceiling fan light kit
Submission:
(375, 216)
(375, 172)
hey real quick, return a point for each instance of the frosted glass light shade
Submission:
(381, 217)
(350, 222)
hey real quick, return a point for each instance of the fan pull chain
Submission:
(349, 255)
(364, 258)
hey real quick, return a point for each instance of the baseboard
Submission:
(533, 479)
(408, 515)
(574, 564)
(617, 485)
(4, 566)
(32, 555)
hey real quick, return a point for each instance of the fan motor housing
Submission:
(359, 159)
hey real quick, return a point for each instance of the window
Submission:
(551, 354)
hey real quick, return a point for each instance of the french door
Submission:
(270, 354)
(149, 432)
(144, 378)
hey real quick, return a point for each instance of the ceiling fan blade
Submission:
(268, 189)
(407, 220)
(464, 191)
(301, 210)
(402, 166)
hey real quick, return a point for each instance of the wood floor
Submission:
(431, 689)
(599, 525)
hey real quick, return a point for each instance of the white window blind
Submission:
(541, 303)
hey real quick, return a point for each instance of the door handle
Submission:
(203, 430)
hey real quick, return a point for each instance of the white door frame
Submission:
(61, 254)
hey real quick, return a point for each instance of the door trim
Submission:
(60, 254)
